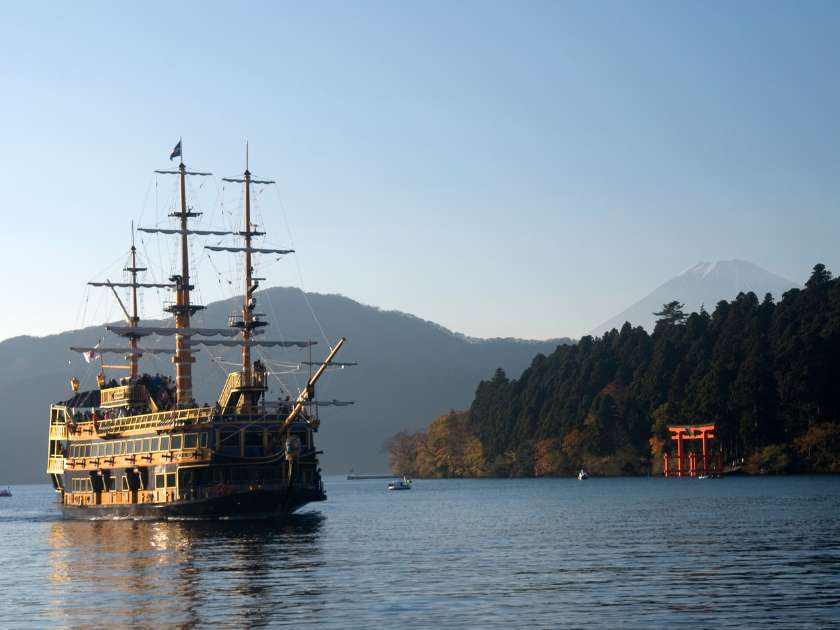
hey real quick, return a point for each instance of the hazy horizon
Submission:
(503, 170)
(162, 315)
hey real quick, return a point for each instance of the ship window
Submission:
(176, 442)
(109, 449)
(146, 444)
(129, 446)
(155, 444)
(125, 483)
(118, 447)
(82, 485)
(190, 440)
(87, 450)
(203, 440)
(253, 438)
(112, 484)
(160, 481)
(164, 443)
(170, 480)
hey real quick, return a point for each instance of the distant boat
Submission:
(400, 484)
(6, 493)
(583, 475)
(704, 477)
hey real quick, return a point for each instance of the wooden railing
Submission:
(162, 420)
(58, 431)
(123, 395)
(55, 466)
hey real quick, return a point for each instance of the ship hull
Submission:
(251, 504)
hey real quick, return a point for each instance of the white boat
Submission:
(400, 484)
(583, 475)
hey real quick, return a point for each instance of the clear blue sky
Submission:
(505, 169)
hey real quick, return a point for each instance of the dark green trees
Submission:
(766, 373)
(671, 313)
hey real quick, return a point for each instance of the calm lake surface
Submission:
(549, 553)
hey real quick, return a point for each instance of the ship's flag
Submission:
(176, 152)
(91, 354)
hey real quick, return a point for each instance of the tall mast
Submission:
(182, 309)
(246, 296)
(135, 318)
(183, 357)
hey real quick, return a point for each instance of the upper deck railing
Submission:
(162, 420)
(123, 395)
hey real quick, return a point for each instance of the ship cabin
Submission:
(127, 443)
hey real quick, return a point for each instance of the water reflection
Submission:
(181, 572)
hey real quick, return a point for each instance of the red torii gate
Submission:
(704, 432)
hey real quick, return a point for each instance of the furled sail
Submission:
(254, 250)
(140, 285)
(251, 343)
(196, 232)
(334, 363)
(332, 403)
(123, 350)
(142, 331)
(253, 181)
(200, 174)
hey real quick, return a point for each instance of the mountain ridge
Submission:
(702, 285)
(409, 369)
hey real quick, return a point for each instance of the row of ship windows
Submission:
(84, 484)
(142, 445)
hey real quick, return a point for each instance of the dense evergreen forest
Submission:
(767, 373)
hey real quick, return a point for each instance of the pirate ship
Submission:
(140, 446)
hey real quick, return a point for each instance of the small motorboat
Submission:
(583, 475)
(704, 477)
(5, 493)
(400, 484)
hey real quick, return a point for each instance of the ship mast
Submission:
(135, 318)
(183, 309)
(183, 358)
(246, 296)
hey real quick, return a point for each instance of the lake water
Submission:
(548, 553)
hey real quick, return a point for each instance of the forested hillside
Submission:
(767, 373)
(396, 352)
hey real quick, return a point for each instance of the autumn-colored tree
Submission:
(548, 458)
(402, 453)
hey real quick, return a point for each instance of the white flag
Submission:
(91, 354)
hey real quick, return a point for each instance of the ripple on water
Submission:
(452, 553)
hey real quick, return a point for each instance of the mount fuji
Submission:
(706, 283)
